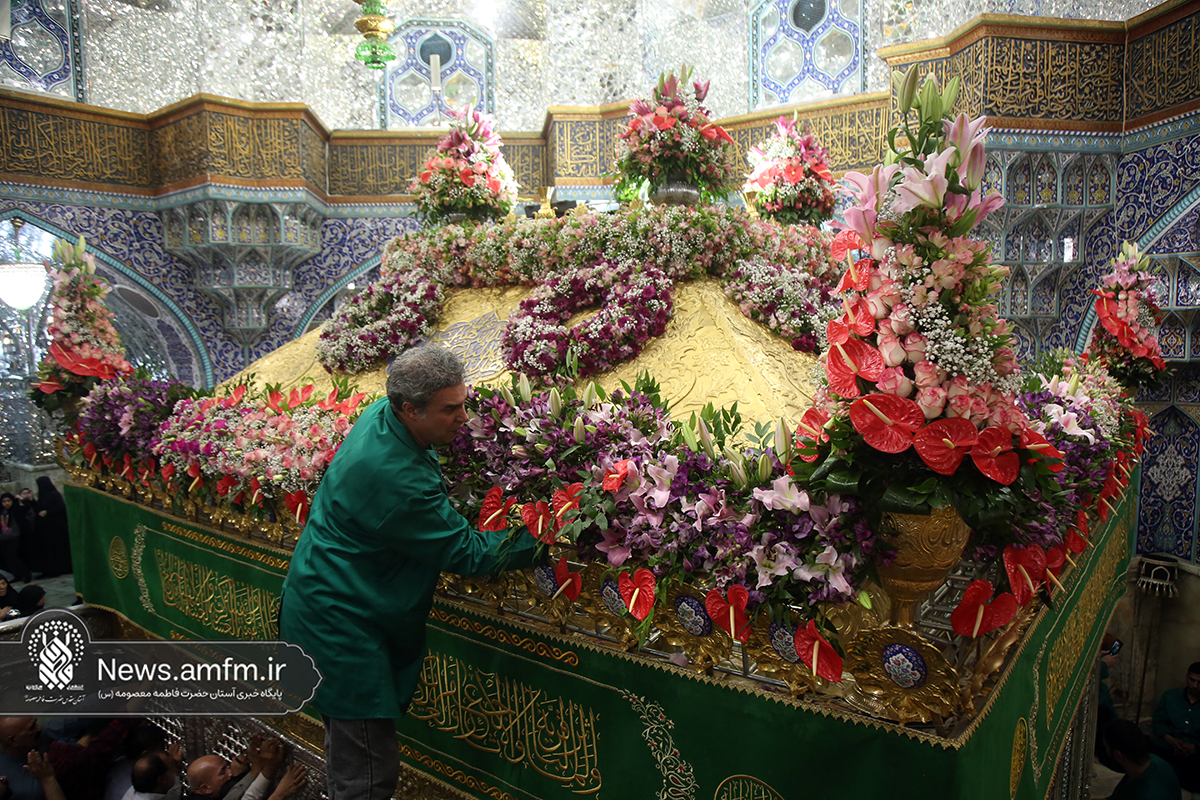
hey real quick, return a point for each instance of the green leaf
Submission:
(843, 482)
(904, 501)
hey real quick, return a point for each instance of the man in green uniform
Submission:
(1177, 726)
(1147, 777)
(361, 580)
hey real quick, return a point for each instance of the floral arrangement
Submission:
(789, 174)
(635, 304)
(122, 418)
(919, 410)
(1129, 319)
(381, 320)
(84, 347)
(788, 300)
(671, 137)
(466, 173)
(616, 477)
(681, 243)
(247, 450)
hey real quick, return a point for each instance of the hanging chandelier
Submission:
(22, 283)
(375, 26)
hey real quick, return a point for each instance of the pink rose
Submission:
(932, 400)
(1005, 362)
(979, 409)
(893, 381)
(929, 374)
(892, 351)
(479, 168)
(958, 386)
(914, 345)
(875, 301)
(959, 405)
(902, 321)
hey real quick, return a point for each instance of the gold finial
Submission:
(546, 211)
(751, 209)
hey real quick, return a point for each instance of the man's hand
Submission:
(271, 758)
(175, 755)
(38, 767)
(294, 781)
(1187, 749)
(254, 753)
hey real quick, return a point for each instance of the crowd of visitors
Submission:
(34, 539)
(129, 759)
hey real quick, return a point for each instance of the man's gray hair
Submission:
(419, 373)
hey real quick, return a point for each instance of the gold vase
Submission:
(927, 548)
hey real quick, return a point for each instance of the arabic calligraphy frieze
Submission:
(553, 736)
(1164, 68)
(253, 147)
(373, 169)
(225, 606)
(528, 162)
(48, 145)
(177, 155)
(315, 159)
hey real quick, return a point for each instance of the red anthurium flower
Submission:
(1056, 557)
(89, 452)
(887, 422)
(255, 490)
(539, 520)
(1074, 542)
(845, 241)
(664, 123)
(1081, 520)
(274, 400)
(235, 398)
(147, 471)
(127, 468)
(852, 359)
(637, 592)
(66, 359)
(1026, 568)
(569, 583)
(817, 654)
(993, 455)
(467, 177)
(975, 616)
(298, 396)
(193, 470)
(349, 405)
(297, 504)
(107, 459)
(821, 169)
(226, 483)
(616, 475)
(493, 515)
(168, 472)
(857, 318)
(50, 386)
(329, 402)
(565, 501)
(811, 432)
(730, 615)
(1042, 449)
(943, 443)
(857, 276)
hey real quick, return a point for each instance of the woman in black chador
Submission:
(10, 538)
(54, 542)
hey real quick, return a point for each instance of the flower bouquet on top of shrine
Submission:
(671, 138)
(790, 177)
(466, 173)
(919, 410)
(84, 345)
(1129, 316)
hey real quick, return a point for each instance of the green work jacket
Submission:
(361, 581)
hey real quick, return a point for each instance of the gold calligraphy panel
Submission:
(551, 735)
(1164, 68)
(252, 147)
(315, 161)
(177, 154)
(374, 169)
(528, 162)
(47, 145)
(232, 608)
(579, 150)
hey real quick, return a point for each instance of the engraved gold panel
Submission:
(43, 144)
(253, 147)
(554, 736)
(1020, 751)
(177, 154)
(118, 558)
(1164, 68)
